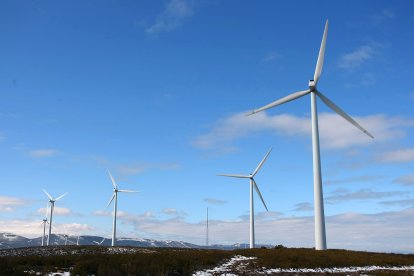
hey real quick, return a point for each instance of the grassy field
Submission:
(86, 260)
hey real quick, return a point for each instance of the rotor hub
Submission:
(312, 85)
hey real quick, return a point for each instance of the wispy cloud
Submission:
(2, 136)
(382, 16)
(354, 179)
(74, 229)
(43, 153)
(342, 195)
(61, 211)
(225, 131)
(397, 156)
(402, 202)
(101, 213)
(9, 204)
(133, 167)
(174, 212)
(407, 180)
(303, 206)
(271, 56)
(357, 58)
(215, 201)
(173, 16)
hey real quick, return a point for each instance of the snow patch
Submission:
(238, 264)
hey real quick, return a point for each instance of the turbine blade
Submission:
(110, 201)
(61, 196)
(128, 191)
(280, 101)
(48, 195)
(336, 108)
(235, 175)
(112, 179)
(258, 192)
(319, 63)
(261, 163)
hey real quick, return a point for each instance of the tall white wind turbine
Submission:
(253, 184)
(52, 206)
(320, 235)
(115, 196)
(44, 224)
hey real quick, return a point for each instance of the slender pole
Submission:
(114, 225)
(52, 205)
(207, 230)
(320, 235)
(251, 215)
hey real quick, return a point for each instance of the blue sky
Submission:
(156, 92)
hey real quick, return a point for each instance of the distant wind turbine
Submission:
(52, 206)
(44, 225)
(115, 196)
(320, 234)
(252, 185)
(99, 243)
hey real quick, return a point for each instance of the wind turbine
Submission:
(99, 243)
(44, 225)
(52, 206)
(320, 235)
(253, 184)
(115, 196)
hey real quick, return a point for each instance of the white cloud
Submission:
(342, 195)
(2, 136)
(43, 153)
(271, 56)
(357, 58)
(407, 180)
(303, 206)
(382, 16)
(402, 202)
(354, 179)
(9, 204)
(174, 212)
(139, 167)
(215, 201)
(176, 11)
(397, 156)
(101, 213)
(73, 229)
(355, 231)
(60, 211)
(33, 229)
(349, 230)
(237, 126)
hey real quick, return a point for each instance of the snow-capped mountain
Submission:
(9, 240)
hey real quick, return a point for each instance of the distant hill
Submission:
(9, 240)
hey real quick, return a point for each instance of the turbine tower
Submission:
(115, 196)
(52, 206)
(253, 184)
(44, 225)
(320, 235)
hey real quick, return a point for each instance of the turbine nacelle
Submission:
(312, 85)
